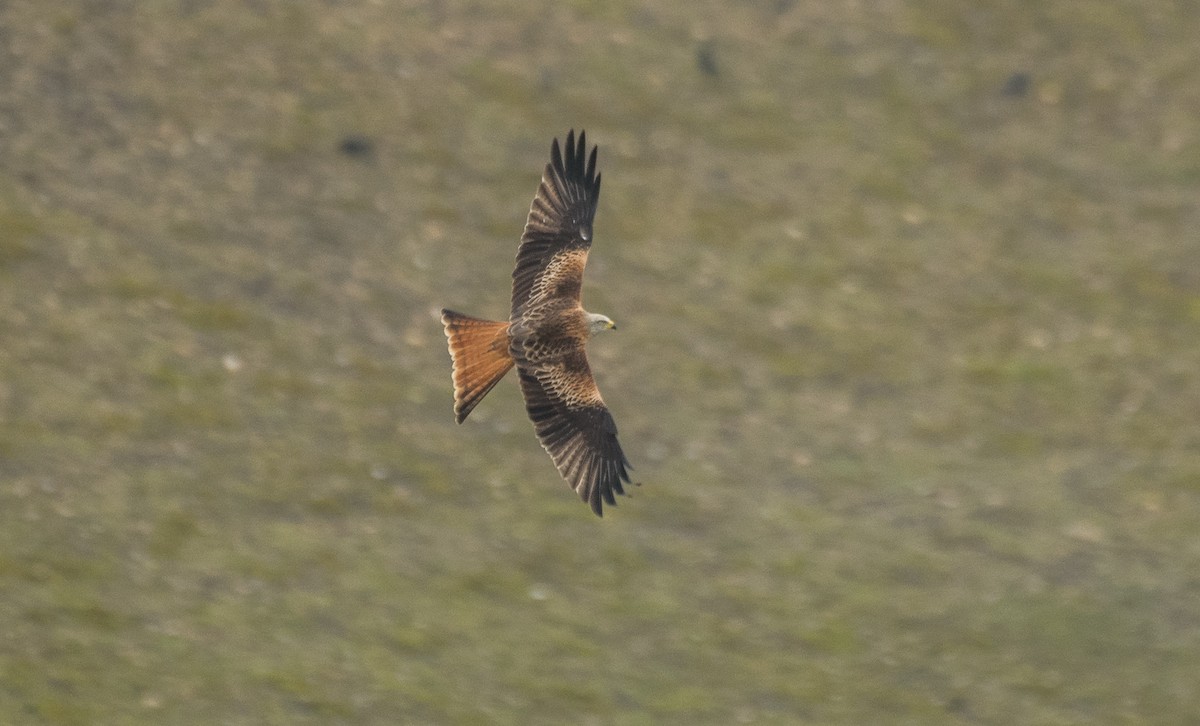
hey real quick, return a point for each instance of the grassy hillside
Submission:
(909, 331)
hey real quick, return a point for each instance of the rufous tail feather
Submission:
(479, 352)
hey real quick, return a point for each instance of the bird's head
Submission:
(596, 323)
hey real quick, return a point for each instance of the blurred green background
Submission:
(909, 307)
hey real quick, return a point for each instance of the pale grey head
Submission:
(597, 322)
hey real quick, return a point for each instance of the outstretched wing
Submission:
(576, 428)
(558, 232)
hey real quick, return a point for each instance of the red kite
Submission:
(546, 334)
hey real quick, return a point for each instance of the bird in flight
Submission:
(547, 331)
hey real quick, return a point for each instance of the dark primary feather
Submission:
(582, 440)
(561, 215)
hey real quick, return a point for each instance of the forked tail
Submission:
(479, 352)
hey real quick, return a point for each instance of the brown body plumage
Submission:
(546, 334)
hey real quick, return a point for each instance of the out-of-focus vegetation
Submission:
(909, 310)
